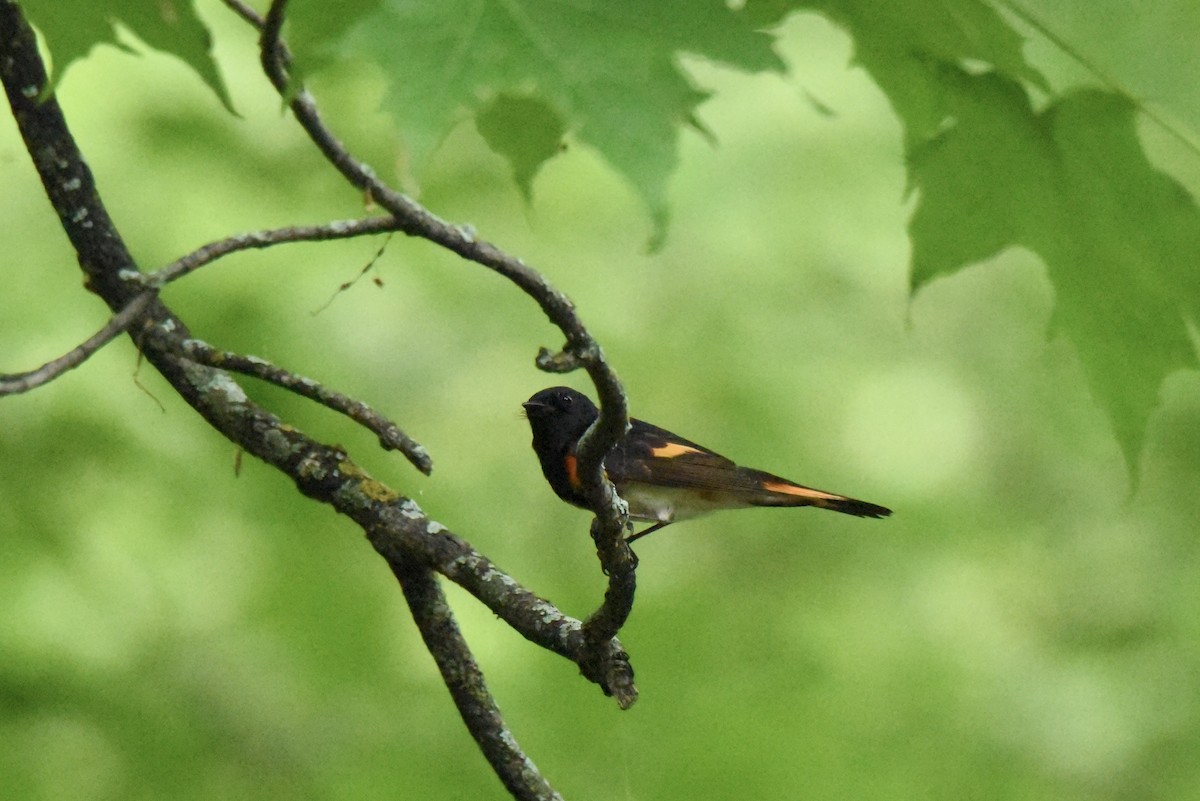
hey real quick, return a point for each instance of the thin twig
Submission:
(118, 323)
(340, 229)
(245, 12)
(346, 285)
(390, 436)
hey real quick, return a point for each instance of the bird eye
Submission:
(567, 399)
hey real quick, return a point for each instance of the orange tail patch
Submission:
(801, 492)
(821, 499)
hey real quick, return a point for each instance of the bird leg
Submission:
(646, 531)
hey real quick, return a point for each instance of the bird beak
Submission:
(534, 407)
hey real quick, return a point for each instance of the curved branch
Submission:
(340, 229)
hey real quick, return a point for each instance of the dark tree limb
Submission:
(465, 681)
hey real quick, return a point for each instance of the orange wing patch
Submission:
(572, 465)
(672, 449)
(803, 492)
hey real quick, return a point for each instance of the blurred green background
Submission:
(1025, 626)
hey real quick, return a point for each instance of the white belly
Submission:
(662, 504)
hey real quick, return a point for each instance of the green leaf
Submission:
(317, 32)
(606, 69)
(525, 131)
(982, 181)
(1128, 272)
(1120, 47)
(903, 43)
(73, 27)
(1121, 241)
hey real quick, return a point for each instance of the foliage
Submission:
(991, 169)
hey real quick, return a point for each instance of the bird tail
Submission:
(776, 491)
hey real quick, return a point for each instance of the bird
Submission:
(661, 476)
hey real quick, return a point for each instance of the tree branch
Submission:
(465, 680)
(392, 530)
(245, 12)
(340, 229)
(390, 436)
(15, 383)
(117, 324)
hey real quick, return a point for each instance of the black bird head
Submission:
(558, 417)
